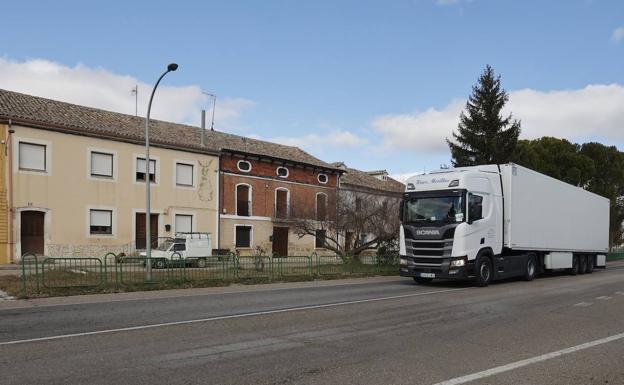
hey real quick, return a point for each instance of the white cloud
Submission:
(340, 139)
(618, 35)
(594, 111)
(100, 88)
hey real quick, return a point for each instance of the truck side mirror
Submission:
(401, 210)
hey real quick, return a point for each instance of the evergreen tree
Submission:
(483, 136)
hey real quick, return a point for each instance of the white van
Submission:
(192, 248)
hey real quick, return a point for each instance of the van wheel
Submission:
(201, 262)
(160, 264)
(422, 281)
(582, 264)
(484, 271)
(575, 265)
(530, 268)
(590, 264)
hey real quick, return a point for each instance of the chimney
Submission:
(203, 127)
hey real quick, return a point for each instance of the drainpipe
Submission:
(9, 157)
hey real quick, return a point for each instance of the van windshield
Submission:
(447, 209)
(165, 245)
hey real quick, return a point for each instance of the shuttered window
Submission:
(32, 156)
(140, 170)
(101, 221)
(184, 174)
(243, 200)
(183, 223)
(101, 164)
(321, 207)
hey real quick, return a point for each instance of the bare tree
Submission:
(361, 222)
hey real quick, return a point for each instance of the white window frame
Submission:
(191, 163)
(245, 161)
(191, 214)
(250, 199)
(316, 205)
(280, 176)
(318, 178)
(113, 153)
(287, 202)
(48, 156)
(251, 243)
(135, 159)
(113, 211)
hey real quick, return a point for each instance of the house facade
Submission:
(73, 180)
(264, 187)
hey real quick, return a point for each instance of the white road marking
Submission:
(583, 304)
(529, 361)
(604, 298)
(225, 317)
(619, 292)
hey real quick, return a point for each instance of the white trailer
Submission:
(498, 221)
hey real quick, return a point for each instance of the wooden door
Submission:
(280, 241)
(32, 232)
(139, 238)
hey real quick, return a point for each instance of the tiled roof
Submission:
(357, 178)
(53, 114)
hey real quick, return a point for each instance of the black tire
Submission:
(483, 271)
(530, 271)
(160, 264)
(582, 264)
(575, 265)
(422, 280)
(201, 262)
(590, 264)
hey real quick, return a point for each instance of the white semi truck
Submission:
(498, 221)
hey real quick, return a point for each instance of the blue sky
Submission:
(359, 74)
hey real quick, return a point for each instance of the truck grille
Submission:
(429, 249)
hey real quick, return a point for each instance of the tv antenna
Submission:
(214, 105)
(135, 92)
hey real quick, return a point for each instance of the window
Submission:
(101, 222)
(321, 207)
(282, 172)
(319, 242)
(184, 174)
(322, 178)
(101, 164)
(32, 157)
(244, 166)
(140, 170)
(243, 200)
(281, 203)
(243, 236)
(183, 223)
(179, 247)
(475, 207)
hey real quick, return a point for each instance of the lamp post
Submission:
(148, 236)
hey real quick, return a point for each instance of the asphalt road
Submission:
(554, 330)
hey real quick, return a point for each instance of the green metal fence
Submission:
(46, 274)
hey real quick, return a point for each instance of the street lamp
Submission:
(148, 236)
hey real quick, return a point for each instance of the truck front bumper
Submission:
(443, 271)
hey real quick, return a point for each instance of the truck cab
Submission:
(448, 218)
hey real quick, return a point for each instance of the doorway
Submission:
(280, 241)
(32, 232)
(139, 237)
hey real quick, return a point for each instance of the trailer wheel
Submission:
(575, 265)
(483, 270)
(422, 281)
(531, 268)
(582, 264)
(590, 264)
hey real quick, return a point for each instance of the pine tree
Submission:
(483, 136)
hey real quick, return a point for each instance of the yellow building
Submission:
(72, 180)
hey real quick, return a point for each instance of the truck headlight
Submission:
(458, 262)
(403, 262)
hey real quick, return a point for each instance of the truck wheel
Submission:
(422, 281)
(575, 265)
(201, 262)
(582, 264)
(590, 264)
(484, 271)
(531, 268)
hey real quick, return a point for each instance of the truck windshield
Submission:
(434, 209)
